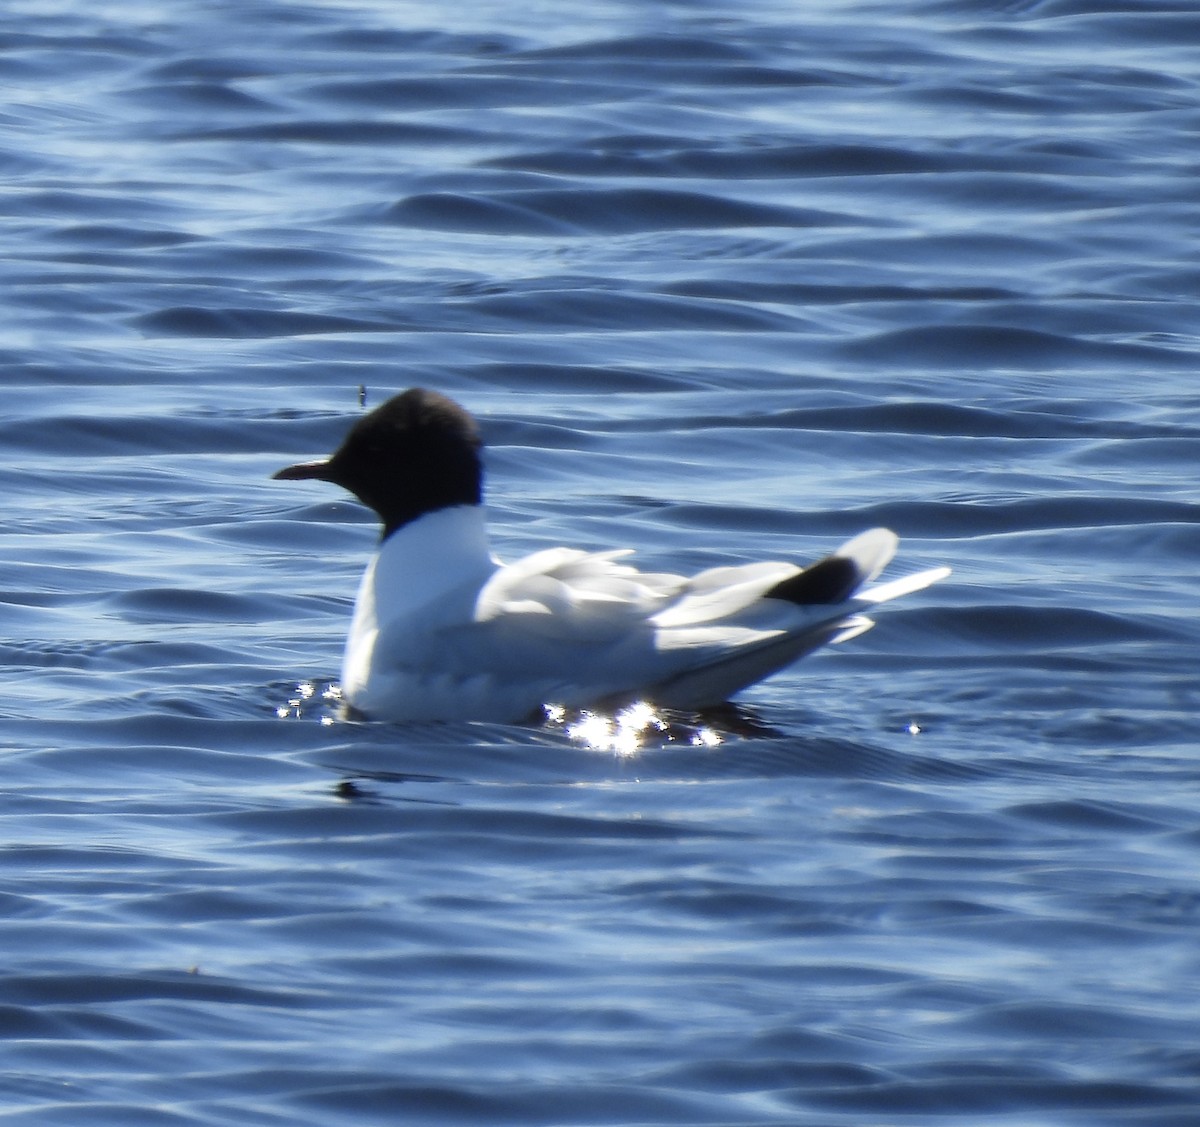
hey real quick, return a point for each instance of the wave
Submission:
(610, 211)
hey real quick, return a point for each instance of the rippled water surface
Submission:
(722, 281)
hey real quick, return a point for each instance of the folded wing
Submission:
(587, 629)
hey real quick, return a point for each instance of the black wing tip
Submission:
(831, 580)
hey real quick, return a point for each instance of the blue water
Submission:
(723, 282)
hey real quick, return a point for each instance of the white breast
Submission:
(425, 577)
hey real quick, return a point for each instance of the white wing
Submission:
(587, 629)
(573, 596)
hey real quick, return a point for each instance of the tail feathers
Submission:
(835, 578)
(905, 585)
(835, 582)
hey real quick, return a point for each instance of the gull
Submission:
(442, 630)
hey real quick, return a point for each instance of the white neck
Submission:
(425, 559)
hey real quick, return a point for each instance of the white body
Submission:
(443, 631)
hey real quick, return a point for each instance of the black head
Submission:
(415, 454)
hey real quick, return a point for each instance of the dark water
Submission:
(724, 281)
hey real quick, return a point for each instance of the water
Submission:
(723, 282)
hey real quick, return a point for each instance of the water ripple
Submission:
(720, 285)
